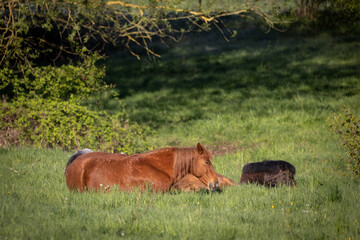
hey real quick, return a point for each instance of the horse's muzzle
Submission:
(214, 187)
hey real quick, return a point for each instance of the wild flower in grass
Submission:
(291, 203)
(9, 192)
(287, 209)
(272, 206)
(184, 204)
(280, 202)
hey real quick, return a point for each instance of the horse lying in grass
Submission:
(159, 169)
(269, 173)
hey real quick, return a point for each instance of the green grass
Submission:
(35, 204)
(267, 97)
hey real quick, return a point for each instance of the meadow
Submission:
(259, 96)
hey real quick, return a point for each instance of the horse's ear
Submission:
(200, 148)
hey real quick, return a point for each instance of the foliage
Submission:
(45, 52)
(66, 124)
(66, 82)
(347, 126)
(52, 32)
(349, 10)
(330, 12)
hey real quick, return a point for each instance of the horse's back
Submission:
(78, 172)
(97, 170)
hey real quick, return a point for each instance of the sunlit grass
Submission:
(35, 203)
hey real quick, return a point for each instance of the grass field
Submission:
(256, 97)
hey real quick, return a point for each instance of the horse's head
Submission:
(203, 168)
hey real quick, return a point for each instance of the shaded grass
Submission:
(294, 72)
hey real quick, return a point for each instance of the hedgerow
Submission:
(45, 110)
(330, 12)
(66, 124)
(347, 126)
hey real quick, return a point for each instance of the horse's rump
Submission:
(77, 154)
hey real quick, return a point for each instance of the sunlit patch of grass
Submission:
(39, 205)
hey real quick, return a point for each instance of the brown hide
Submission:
(158, 169)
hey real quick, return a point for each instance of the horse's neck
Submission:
(175, 162)
(183, 162)
(162, 160)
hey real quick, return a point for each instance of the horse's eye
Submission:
(207, 162)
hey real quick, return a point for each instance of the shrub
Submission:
(66, 124)
(333, 12)
(69, 81)
(347, 126)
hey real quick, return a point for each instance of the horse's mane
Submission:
(183, 160)
(78, 153)
(269, 166)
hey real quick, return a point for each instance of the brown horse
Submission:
(158, 169)
(192, 183)
(269, 173)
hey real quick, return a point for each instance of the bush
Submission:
(66, 124)
(45, 79)
(330, 12)
(69, 81)
(347, 126)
